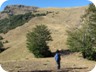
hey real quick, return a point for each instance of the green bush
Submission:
(6, 41)
(37, 41)
(1, 44)
(1, 38)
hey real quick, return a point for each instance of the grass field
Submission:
(17, 58)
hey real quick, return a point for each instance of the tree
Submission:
(89, 19)
(84, 39)
(37, 41)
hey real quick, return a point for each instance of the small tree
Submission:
(37, 41)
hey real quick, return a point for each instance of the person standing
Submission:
(58, 59)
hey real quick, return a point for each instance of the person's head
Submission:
(57, 51)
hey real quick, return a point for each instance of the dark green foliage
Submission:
(1, 38)
(74, 40)
(37, 41)
(42, 14)
(15, 21)
(6, 41)
(84, 39)
(89, 18)
(1, 44)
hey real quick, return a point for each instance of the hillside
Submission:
(17, 58)
(58, 21)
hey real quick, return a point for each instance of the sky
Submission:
(47, 3)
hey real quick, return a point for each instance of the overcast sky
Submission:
(47, 3)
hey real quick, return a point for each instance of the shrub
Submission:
(37, 41)
(1, 38)
(1, 44)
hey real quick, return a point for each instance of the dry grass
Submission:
(58, 22)
(69, 63)
(17, 57)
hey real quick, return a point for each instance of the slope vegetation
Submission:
(58, 21)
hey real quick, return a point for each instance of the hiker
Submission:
(58, 58)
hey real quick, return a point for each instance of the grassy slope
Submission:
(58, 22)
(17, 57)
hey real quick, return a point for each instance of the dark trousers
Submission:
(58, 65)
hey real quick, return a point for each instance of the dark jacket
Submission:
(57, 57)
